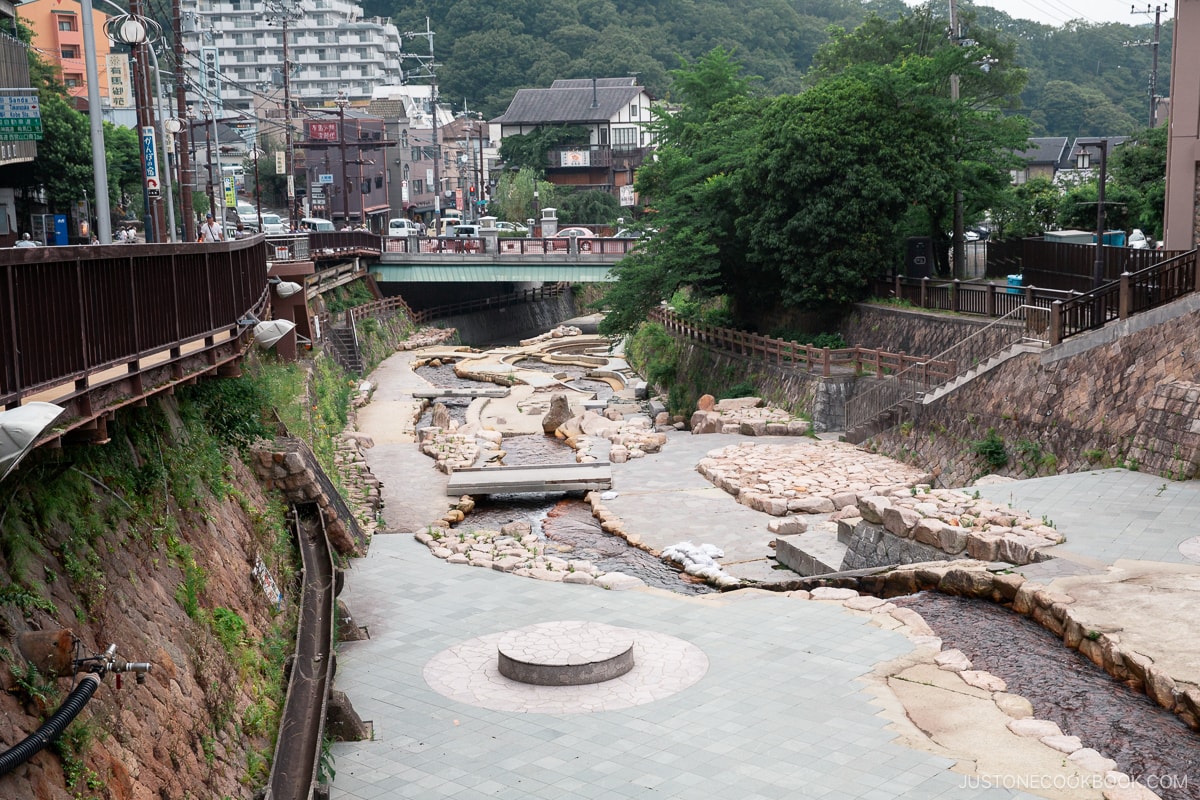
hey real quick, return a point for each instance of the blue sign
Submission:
(150, 154)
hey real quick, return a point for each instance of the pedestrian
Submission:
(25, 241)
(121, 234)
(95, 239)
(210, 231)
(239, 232)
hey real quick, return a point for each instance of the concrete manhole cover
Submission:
(1190, 549)
(661, 666)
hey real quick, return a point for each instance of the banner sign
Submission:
(150, 154)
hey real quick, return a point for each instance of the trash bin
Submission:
(1016, 284)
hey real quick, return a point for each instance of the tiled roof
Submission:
(572, 104)
(387, 109)
(1044, 150)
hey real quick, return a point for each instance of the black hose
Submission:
(50, 730)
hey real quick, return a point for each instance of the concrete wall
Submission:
(1183, 142)
(516, 321)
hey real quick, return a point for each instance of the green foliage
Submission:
(593, 206)
(30, 685)
(513, 197)
(655, 354)
(195, 580)
(833, 341)
(25, 600)
(229, 628)
(528, 150)
(72, 747)
(992, 449)
(741, 389)
(350, 295)
(232, 410)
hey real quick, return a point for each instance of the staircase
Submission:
(343, 346)
(1023, 330)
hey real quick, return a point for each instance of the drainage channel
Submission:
(1147, 742)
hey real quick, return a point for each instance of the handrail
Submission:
(1130, 294)
(977, 348)
(823, 359)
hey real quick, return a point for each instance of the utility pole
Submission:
(428, 70)
(1098, 268)
(280, 12)
(186, 176)
(1158, 10)
(956, 242)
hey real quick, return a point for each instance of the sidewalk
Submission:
(798, 699)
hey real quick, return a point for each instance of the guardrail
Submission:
(859, 360)
(94, 327)
(506, 245)
(986, 299)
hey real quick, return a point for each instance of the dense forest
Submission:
(1083, 79)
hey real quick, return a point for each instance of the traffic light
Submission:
(471, 189)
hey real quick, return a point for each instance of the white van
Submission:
(317, 224)
(403, 227)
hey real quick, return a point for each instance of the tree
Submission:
(513, 198)
(593, 206)
(528, 150)
(1140, 165)
(1029, 209)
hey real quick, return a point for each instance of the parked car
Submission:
(579, 233)
(511, 228)
(273, 223)
(404, 227)
(1138, 241)
(459, 231)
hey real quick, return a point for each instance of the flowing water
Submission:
(562, 520)
(1147, 742)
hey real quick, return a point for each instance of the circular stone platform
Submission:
(663, 665)
(567, 653)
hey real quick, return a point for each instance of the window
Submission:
(66, 23)
(633, 111)
(624, 138)
(73, 80)
(418, 186)
(603, 137)
(70, 53)
(378, 181)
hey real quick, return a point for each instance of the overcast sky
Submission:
(1058, 12)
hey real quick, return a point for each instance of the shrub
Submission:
(992, 449)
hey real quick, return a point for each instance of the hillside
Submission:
(1083, 80)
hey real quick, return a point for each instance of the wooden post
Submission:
(1056, 323)
(925, 292)
(991, 299)
(899, 288)
(954, 295)
(879, 363)
(825, 361)
(1126, 299)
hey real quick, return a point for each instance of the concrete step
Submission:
(815, 552)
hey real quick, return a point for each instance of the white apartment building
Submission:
(235, 53)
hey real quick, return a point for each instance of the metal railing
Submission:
(1132, 293)
(93, 327)
(1025, 323)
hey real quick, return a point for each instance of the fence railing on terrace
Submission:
(1025, 323)
(859, 360)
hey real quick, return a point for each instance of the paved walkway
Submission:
(789, 704)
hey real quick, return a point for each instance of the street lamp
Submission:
(1083, 160)
(254, 155)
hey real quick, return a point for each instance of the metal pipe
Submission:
(168, 184)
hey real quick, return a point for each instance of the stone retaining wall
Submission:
(869, 545)
(1051, 610)
(1167, 442)
(900, 330)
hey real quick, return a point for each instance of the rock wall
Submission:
(1086, 403)
(900, 330)
(797, 390)
(870, 545)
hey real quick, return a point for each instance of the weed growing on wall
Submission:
(992, 449)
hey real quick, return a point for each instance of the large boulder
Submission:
(560, 412)
(440, 417)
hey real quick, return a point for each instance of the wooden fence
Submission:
(857, 360)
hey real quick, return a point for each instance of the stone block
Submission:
(900, 521)
(872, 507)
